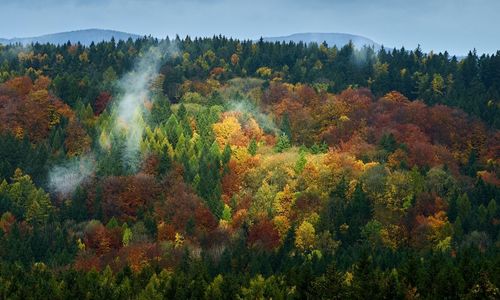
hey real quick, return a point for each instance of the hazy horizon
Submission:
(456, 26)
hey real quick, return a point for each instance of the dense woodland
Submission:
(262, 170)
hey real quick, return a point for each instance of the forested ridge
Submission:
(217, 168)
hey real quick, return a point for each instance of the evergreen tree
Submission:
(286, 127)
(252, 147)
(282, 144)
(209, 186)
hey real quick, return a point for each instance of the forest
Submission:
(217, 168)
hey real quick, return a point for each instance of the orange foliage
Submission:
(102, 240)
(166, 232)
(6, 222)
(252, 130)
(30, 108)
(136, 258)
(489, 177)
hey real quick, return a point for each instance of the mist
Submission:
(264, 121)
(65, 178)
(127, 122)
(129, 108)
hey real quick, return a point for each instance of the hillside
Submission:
(224, 169)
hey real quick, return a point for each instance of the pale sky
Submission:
(454, 25)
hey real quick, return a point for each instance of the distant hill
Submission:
(85, 37)
(337, 39)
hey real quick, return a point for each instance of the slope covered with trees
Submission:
(262, 170)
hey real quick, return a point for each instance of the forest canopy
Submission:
(217, 168)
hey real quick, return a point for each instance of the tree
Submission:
(25, 200)
(161, 111)
(264, 234)
(171, 130)
(282, 144)
(330, 285)
(270, 288)
(77, 140)
(305, 236)
(209, 186)
(40, 207)
(358, 213)
(215, 290)
(101, 102)
(252, 147)
(464, 209)
(286, 127)
(229, 131)
(301, 162)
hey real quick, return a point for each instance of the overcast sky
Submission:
(454, 25)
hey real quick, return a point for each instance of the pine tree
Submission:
(161, 111)
(285, 127)
(282, 144)
(171, 129)
(209, 185)
(301, 162)
(252, 147)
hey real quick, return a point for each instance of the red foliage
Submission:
(307, 202)
(123, 196)
(264, 234)
(216, 72)
(87, 262)
(101, 102)
(180, 206)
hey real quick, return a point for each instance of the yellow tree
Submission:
(229, 131)
(305, 236)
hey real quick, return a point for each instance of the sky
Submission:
(453, 25)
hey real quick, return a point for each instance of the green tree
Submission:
(161, 111)
(209, 185)
(286, 127)
(301, 162)
(282, 144)
(26, 200)
(252, 147)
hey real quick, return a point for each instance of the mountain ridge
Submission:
(332, 38)
(87, 36)
(84, 36)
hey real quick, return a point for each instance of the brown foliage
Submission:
(77, 140)
(264, 234)
(123, 196)
(101, 102)
(180, 205)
